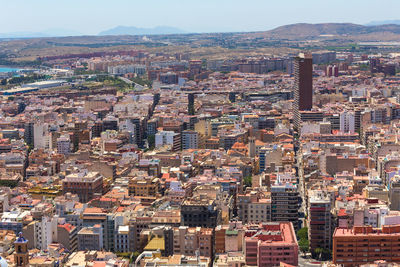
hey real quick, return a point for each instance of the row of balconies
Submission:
(369, 244)
(362, 256)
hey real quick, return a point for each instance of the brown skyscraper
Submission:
(302, 86)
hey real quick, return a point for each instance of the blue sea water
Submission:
(6, 69)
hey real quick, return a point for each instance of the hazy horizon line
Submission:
(46, 33)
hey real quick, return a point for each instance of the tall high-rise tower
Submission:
(302, 86)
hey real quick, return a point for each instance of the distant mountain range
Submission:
(378, 30)
(125, 30)
(382, 22)
(119, 30)
(46, 33)
(305, 30)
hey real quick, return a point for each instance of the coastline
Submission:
(11, 67)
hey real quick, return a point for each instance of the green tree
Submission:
(326, 254)
(302, 236)
(302, 233)
(85, 71)
(151, 139)
(304, 245)
(317, 253)
(142, 81)
(124, 254)
(26, 79)
(322, 254)
(247, 181)
(364, 67)
(191, 110)
(30, 148)
(8, 183)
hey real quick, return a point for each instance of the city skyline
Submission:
(208, 133)
(92, 17)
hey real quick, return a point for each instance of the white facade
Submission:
(63, 145)
(121, 238)
(165, 138)
(359, 92)
(127, 125)
(347, 122)
(45, 232)
(123, 69)
(309, 128)
(41, 135)
(281, 128)
(391, 219)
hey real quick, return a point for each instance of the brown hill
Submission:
(305, 30)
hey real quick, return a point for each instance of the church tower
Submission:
(252, 147)
(21, 254)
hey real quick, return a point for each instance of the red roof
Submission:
(67, 226)
(342, 213)
(120, 209)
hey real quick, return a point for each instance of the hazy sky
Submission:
(93, 16)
